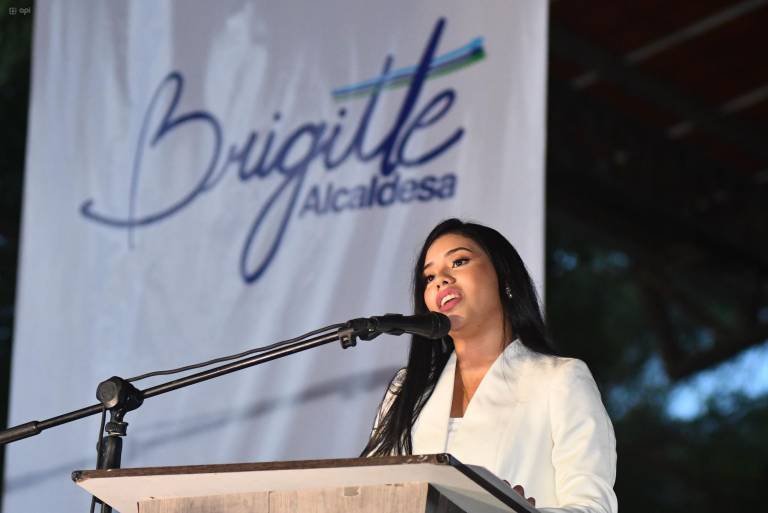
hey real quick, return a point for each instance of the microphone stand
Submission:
(119, 396)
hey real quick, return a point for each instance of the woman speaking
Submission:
(493, 393)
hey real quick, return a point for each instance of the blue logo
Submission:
(261, 156)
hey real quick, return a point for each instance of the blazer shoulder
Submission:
(557, 371)
(571, 368)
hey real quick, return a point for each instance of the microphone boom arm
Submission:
(345, 335)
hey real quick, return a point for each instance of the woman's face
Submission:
(462, 284)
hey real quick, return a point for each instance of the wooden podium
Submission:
(436, 483)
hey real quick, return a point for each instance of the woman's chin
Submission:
(457, 322)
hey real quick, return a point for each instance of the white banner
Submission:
(207, 177)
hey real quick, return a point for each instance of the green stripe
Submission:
(472, 59)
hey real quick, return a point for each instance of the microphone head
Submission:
(432, 325)
(441, 325)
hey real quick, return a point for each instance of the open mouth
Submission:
(448, 301)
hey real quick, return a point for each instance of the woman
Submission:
(493, 393)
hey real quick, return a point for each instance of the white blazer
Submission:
(535, 420)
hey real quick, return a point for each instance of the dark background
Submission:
(657, 252)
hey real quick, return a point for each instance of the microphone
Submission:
(432, 325)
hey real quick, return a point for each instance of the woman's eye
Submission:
(429, 278)
(460, 261)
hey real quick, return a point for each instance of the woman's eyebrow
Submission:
(450, 251)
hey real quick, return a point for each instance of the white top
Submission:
(453, 426)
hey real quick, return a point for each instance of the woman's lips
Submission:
(448, 305)
(447, 299)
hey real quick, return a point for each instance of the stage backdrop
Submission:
(207, 177)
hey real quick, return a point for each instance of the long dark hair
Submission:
(427, 359)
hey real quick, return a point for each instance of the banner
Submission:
(208, 177)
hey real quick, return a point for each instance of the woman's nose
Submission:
(444, 279)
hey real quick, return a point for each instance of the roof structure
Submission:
(658, 139)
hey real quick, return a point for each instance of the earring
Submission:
(508, 290)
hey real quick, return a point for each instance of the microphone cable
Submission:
(235, 356)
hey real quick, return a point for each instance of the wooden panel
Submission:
(397, 498)
(239, 503)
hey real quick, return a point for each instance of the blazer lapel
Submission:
(430, 430)
(489, 412)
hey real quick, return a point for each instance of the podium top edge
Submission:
(440, 459)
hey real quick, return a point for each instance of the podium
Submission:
(436, 483)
